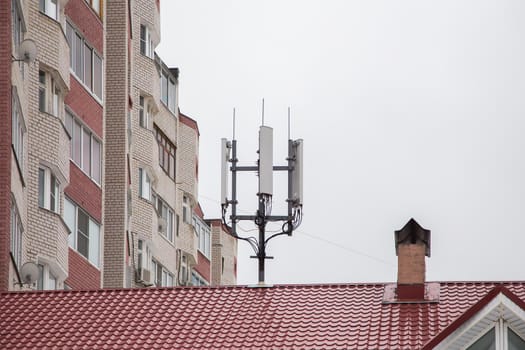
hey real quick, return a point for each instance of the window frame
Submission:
(16, 234)
(186, 210)
(165, 212)
(167, 153)
(50, 95)
(77, 129)
(45, 276)
(77, 58)
(93, 235)
(145, 183)
(161, 274)
(147, 47)
(46, 10)
(18, 130)
(48, 190)
(168, 90)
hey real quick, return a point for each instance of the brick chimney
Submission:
(412, 245)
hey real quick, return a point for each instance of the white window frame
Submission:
(72, 123)
(166, 277)
(147, 48)
(145, 112)
(18, 130)
(77, 52)
(96, 5)
(50, 99)
(186, 210)
(169, 86)
(46, 279)
(145, 188)
(50, 8)
(17, 232)
(203, 232)
(48, 190)
(93, 234)
(165, 212)
(197, 280)
(511, 316)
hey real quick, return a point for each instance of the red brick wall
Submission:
(411, 263)
(5, 142)
(84, 192)
(84, 105)
(203, 267)
(87, 22)
(82, 275)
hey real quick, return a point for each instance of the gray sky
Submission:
(407, 109)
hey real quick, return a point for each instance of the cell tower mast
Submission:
(265, 169)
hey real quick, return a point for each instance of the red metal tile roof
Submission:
(280, 317)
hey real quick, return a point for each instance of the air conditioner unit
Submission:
(146, 277)
(162, 225)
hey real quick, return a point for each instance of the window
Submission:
(163, 278)
(50, 8)
(489, 341)
(166, 152)
(145, 112)
(18, 27)
(85, 62)
(96, 5)
(48, 190)
(186, 210)
(46, 279)
(203, 233)
(85, 232)
(16, 234)
(144, 184)
(197, 280)
(86, 149)
(168, 90)
(146, 42)
(49, 94)
(18, 130)
(166, 217)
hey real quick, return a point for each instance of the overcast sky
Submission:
(407, 109)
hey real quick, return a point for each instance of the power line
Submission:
(324, 240)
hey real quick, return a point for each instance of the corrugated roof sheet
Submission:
(279, 317)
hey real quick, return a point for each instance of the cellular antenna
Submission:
(288, 122)
(263, 111)
(233, 133)
(265, 169)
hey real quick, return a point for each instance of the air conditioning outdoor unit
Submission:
(146, 277)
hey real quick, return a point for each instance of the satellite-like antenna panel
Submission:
(266, 160)
(297, 174)
(27, 51)
(225, 157)
(29, 273)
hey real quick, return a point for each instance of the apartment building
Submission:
(101, 186)
(155, 233)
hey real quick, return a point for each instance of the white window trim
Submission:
(53, 99)
(45, 9)
(186, 210)
(145, 112)
(93, 138)
(18, 130)
(49, 175)
(203, 232)
(145, 184)
(73, 52)
(499, 308)
(16, 234)
(73, 236)
(149, 46)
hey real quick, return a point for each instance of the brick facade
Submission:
(5, 144)
(82, 274)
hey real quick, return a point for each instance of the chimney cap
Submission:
(413, 233)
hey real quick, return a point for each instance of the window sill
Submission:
(167, 240)
(85, 174)
(86, 259)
